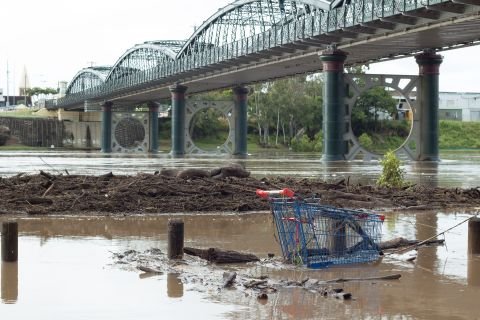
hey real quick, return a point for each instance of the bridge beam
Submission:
(429, 66)
(107, 127)
(153, 114)
(241, 124)
(333, 105)
(178, 119)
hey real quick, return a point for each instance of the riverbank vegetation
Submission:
(459, 135)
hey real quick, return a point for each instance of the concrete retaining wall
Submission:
(36, 132)
(83, 135)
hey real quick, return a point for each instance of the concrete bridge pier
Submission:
(241, 123)
(106, 144)
(429, 65)
(153, 114)
(178, 119)
(334, 146)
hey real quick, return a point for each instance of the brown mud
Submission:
(47, 193)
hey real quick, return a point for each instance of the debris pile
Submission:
(226, 189)
(204, 276)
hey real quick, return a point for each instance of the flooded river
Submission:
(457, 169)
(66, 270)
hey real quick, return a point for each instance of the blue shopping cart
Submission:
(318, 235)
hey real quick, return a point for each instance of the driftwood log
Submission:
(47, 175)
(191, 173)
(231, 170)
(221, 256)
(229, 278)
(402, 242)
(149, 270)
(388, 277)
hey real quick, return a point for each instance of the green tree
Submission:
(371, 103)
(289, 106)
(37, 90)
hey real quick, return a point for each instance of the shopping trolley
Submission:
(318, 235)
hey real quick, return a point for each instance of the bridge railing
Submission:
(313, 24)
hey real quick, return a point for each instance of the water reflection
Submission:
(473, 270)
(252, 232)
(338, 170)
(425, 173)
(9, 282)
(426, 227)
(174, 286)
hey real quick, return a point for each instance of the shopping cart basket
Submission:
(318, 236)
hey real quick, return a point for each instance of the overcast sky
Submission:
(54, 39)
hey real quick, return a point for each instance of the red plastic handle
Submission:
(283, 192)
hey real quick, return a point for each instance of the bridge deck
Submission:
(442, 26)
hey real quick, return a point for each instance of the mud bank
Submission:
(158, 194)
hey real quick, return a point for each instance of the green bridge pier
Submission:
(335, 120)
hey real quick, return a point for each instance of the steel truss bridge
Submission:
(256, 40)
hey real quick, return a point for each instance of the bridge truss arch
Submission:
(87, 78)
(404, 85)
(246, 18)
(226, 109)
(143, 57)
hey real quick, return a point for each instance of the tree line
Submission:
(289, 112)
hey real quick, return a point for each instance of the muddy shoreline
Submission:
(159, 194)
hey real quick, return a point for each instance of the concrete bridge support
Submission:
(153, 114)
(178, 119)
(429, 65)
(334, 147)
(107, 127)
(241, 124)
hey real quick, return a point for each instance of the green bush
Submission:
(365, 141)
(392, 175)
(305, 144)
(318, 142)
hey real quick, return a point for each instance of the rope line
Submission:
(414, 246)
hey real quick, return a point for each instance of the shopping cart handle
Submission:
(283, 192)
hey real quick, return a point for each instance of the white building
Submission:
(461, 106)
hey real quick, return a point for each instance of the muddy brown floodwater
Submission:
(66, 270)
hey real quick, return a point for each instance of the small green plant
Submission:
(297, 257)
(392, 175)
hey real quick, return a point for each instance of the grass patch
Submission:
(23, 148)
(459, 135)
(23, 113)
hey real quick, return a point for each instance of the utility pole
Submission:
(14, 93)
(8, 80)
(25, 85)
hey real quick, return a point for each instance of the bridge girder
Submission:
(88, 78)
(247, 18)
(144, 56)
(370, 30)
